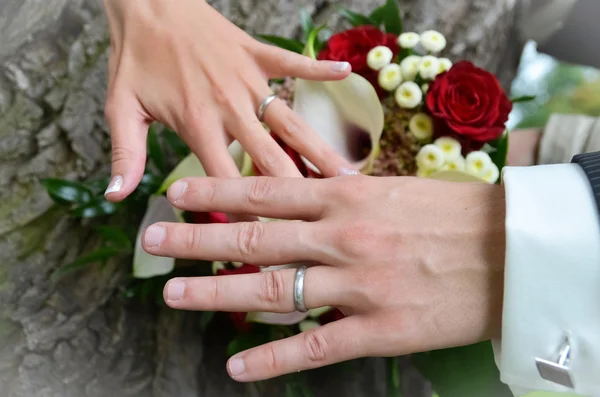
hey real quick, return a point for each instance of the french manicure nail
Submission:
(154, 235)
(175, 290)
(236, 367)
(347, 171)
(340, 66)
(115, 185)
(177, 189)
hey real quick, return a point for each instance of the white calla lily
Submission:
(160, 210)
(144, 264)
(192, 167)
(330, 107)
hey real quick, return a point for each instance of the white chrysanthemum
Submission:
(421, 126)
(429, 67)
(308, 325)
(390, 77)
(379, 57)
(433, 41)
(409, 40)
(410, 67)
(216, 266)
(450, 146)
(445, 64)
(430, 157)
(492, 174)
(455, 164)
(408, 95)
(478, 163)
(424, 172)
(425, 88)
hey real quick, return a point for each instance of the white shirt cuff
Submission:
(552, 277)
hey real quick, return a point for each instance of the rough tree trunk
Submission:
(76, 337)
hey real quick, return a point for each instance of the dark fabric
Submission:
(590, 163)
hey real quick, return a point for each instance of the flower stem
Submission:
(394, 387)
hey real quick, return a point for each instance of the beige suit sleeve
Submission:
(568, 135)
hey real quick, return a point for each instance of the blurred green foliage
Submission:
(558, 87)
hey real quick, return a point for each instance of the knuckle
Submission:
(249, 238)
(215, 289)
(354, 239)
(121, 153)
(272, 287)
(258, 191)
(272, 363)
(192, 239)
(316, 347)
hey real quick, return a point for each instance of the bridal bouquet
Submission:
(406, 110)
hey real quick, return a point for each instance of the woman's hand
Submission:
(414, 264)
(183, 64)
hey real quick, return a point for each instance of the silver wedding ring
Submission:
(299, 290)
(263, 107)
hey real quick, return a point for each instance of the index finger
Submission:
(282, 198)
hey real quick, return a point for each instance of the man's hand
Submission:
(415, 264)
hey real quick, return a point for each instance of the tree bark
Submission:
(76, 337)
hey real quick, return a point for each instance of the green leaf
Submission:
(283, 42)
(500, 153)
(100, 255)
(307, 23)
(468, 371)
(115, 235)
(205, 319)
(67, 192)
(391, 17)
(524, 98)
(247, 341)
(176, 143)
(98, 186)
(356, 19)
(96, 208)
(377, 15)
(155, 150)
(148, 185)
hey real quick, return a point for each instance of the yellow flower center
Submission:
(452, 166)
(391, 74)
(427, 64)
(431, 157)
(407, 94)
(478, 164)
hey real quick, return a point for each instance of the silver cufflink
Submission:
(557, 371)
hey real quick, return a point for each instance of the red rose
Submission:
(468, 102)
(353, 46)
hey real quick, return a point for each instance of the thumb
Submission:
(128, 133)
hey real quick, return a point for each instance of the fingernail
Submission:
(177, 189)
(115, 185)
(347, 171)
(154, 235)
(175, 290)
(236, 367)
(340, 66)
